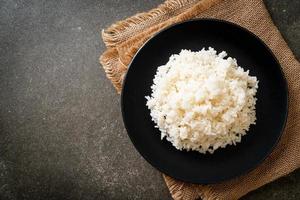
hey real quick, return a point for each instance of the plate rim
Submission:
(236, 175)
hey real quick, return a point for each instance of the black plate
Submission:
(271, 109)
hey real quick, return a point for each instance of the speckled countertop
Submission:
(61, 132)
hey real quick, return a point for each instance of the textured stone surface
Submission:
(61, 132)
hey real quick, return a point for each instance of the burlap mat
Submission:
(125, 37)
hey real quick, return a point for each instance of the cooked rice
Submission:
(202, 101)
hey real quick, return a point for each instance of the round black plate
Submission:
(271, 109)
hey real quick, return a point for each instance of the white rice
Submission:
(201, 101)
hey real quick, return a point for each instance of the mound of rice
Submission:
(202, 101)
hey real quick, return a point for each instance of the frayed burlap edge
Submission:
(122, 30)
(182, 191)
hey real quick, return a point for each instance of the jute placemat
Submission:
(125, 37)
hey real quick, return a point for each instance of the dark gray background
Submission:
(61, 132)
